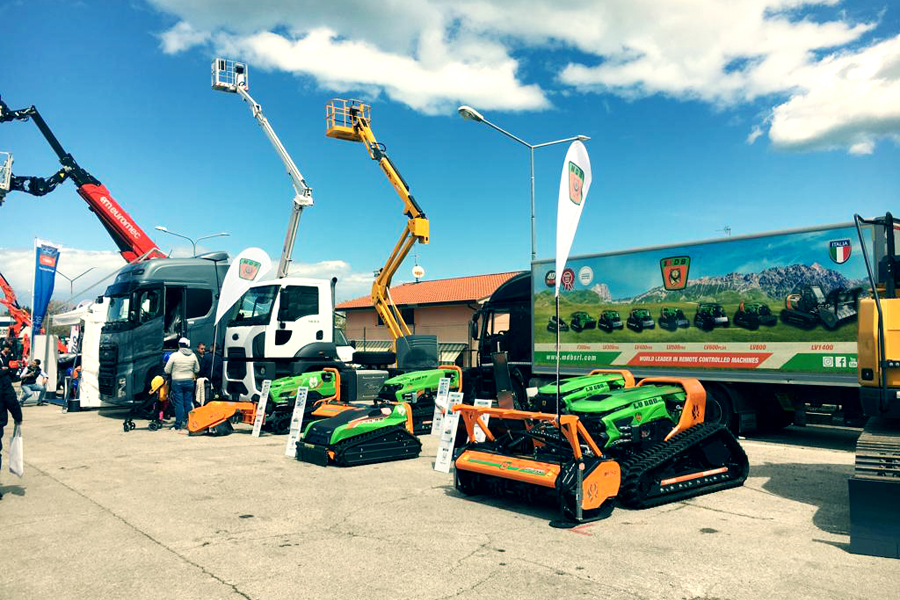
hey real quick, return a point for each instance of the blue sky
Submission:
(759, 115)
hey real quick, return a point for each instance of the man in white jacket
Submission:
(182, 367)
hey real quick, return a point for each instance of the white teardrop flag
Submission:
(250, 266)
(573, 191)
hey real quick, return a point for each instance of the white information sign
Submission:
(290, 447)
(448, 435)
(485, 403)
(261, 407)
(440, 405)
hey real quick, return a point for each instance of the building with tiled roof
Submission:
(441, 307)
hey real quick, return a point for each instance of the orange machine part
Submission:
(509, 467)
(326, 411)
(602, 483)
(571, 425)
(337, 389)
(218, 411)
(629, 378)
(694, 404)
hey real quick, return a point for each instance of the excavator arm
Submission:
(21, 318)
(133, 243)
(351, 120)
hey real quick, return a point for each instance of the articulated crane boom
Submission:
(230, 76)
(351, 120)
(134, 245)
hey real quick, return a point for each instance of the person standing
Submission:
(34, 381)
(8, 402)
(182, 367)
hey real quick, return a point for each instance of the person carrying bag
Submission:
(16, 452)
(9, 404)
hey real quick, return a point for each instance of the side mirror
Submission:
(473, 328)
(353, 344)
(283, 312)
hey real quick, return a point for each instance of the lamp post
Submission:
(193, 242)
(470, 114)
(72, 281)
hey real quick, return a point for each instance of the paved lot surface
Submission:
(105, 514)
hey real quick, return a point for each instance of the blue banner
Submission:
(46, 258)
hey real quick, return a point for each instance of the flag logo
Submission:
(550, 278)
(675, 272)
(248, 269)
(576, 182)
(48, 260)
(839, 250)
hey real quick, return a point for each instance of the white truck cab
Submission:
(281, 328)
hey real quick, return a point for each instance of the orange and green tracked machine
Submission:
(642, 445)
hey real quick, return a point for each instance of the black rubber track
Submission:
(390, 443)
(653, 461)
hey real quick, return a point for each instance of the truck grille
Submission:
(106, 373)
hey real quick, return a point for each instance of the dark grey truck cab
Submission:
(151, 305)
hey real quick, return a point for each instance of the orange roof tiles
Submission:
(439, 291)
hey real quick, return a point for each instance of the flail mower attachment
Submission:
(217, 417)
(361, 436)
(539, 458)
(650, 439)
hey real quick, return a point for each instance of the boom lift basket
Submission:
(6, 161)
(341, 116)
(229, 75)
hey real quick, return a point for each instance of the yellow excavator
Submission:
(875, 485)
(351, 120)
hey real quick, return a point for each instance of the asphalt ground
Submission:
(105, 514)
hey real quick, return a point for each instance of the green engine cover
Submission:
(611, 412)
(321, 384)
(355, 422)
(578, 388)
(409, 386)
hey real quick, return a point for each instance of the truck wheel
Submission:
(719, 407)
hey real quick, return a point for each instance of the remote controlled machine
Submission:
(608, 439)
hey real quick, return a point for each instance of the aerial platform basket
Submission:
(341, 117)
(6, 161)
(229, 75)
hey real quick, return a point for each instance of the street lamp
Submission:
(470, 114)
(193, 243)
(72, 281)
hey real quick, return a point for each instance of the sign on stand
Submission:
(448, 435)
(484, 403)
(261, 407)
(290, 448)
(440, 405)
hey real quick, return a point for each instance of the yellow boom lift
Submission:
(351, 120)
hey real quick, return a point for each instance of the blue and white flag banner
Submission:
(46, 258)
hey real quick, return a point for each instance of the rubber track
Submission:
(344, 445)
(635, 467)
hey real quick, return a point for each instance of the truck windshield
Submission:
(255, 306)
(118, 309)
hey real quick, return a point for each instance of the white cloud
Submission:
(182, 37)
(17, 265)
(351, 284)
(828, 86)
(754, 134)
